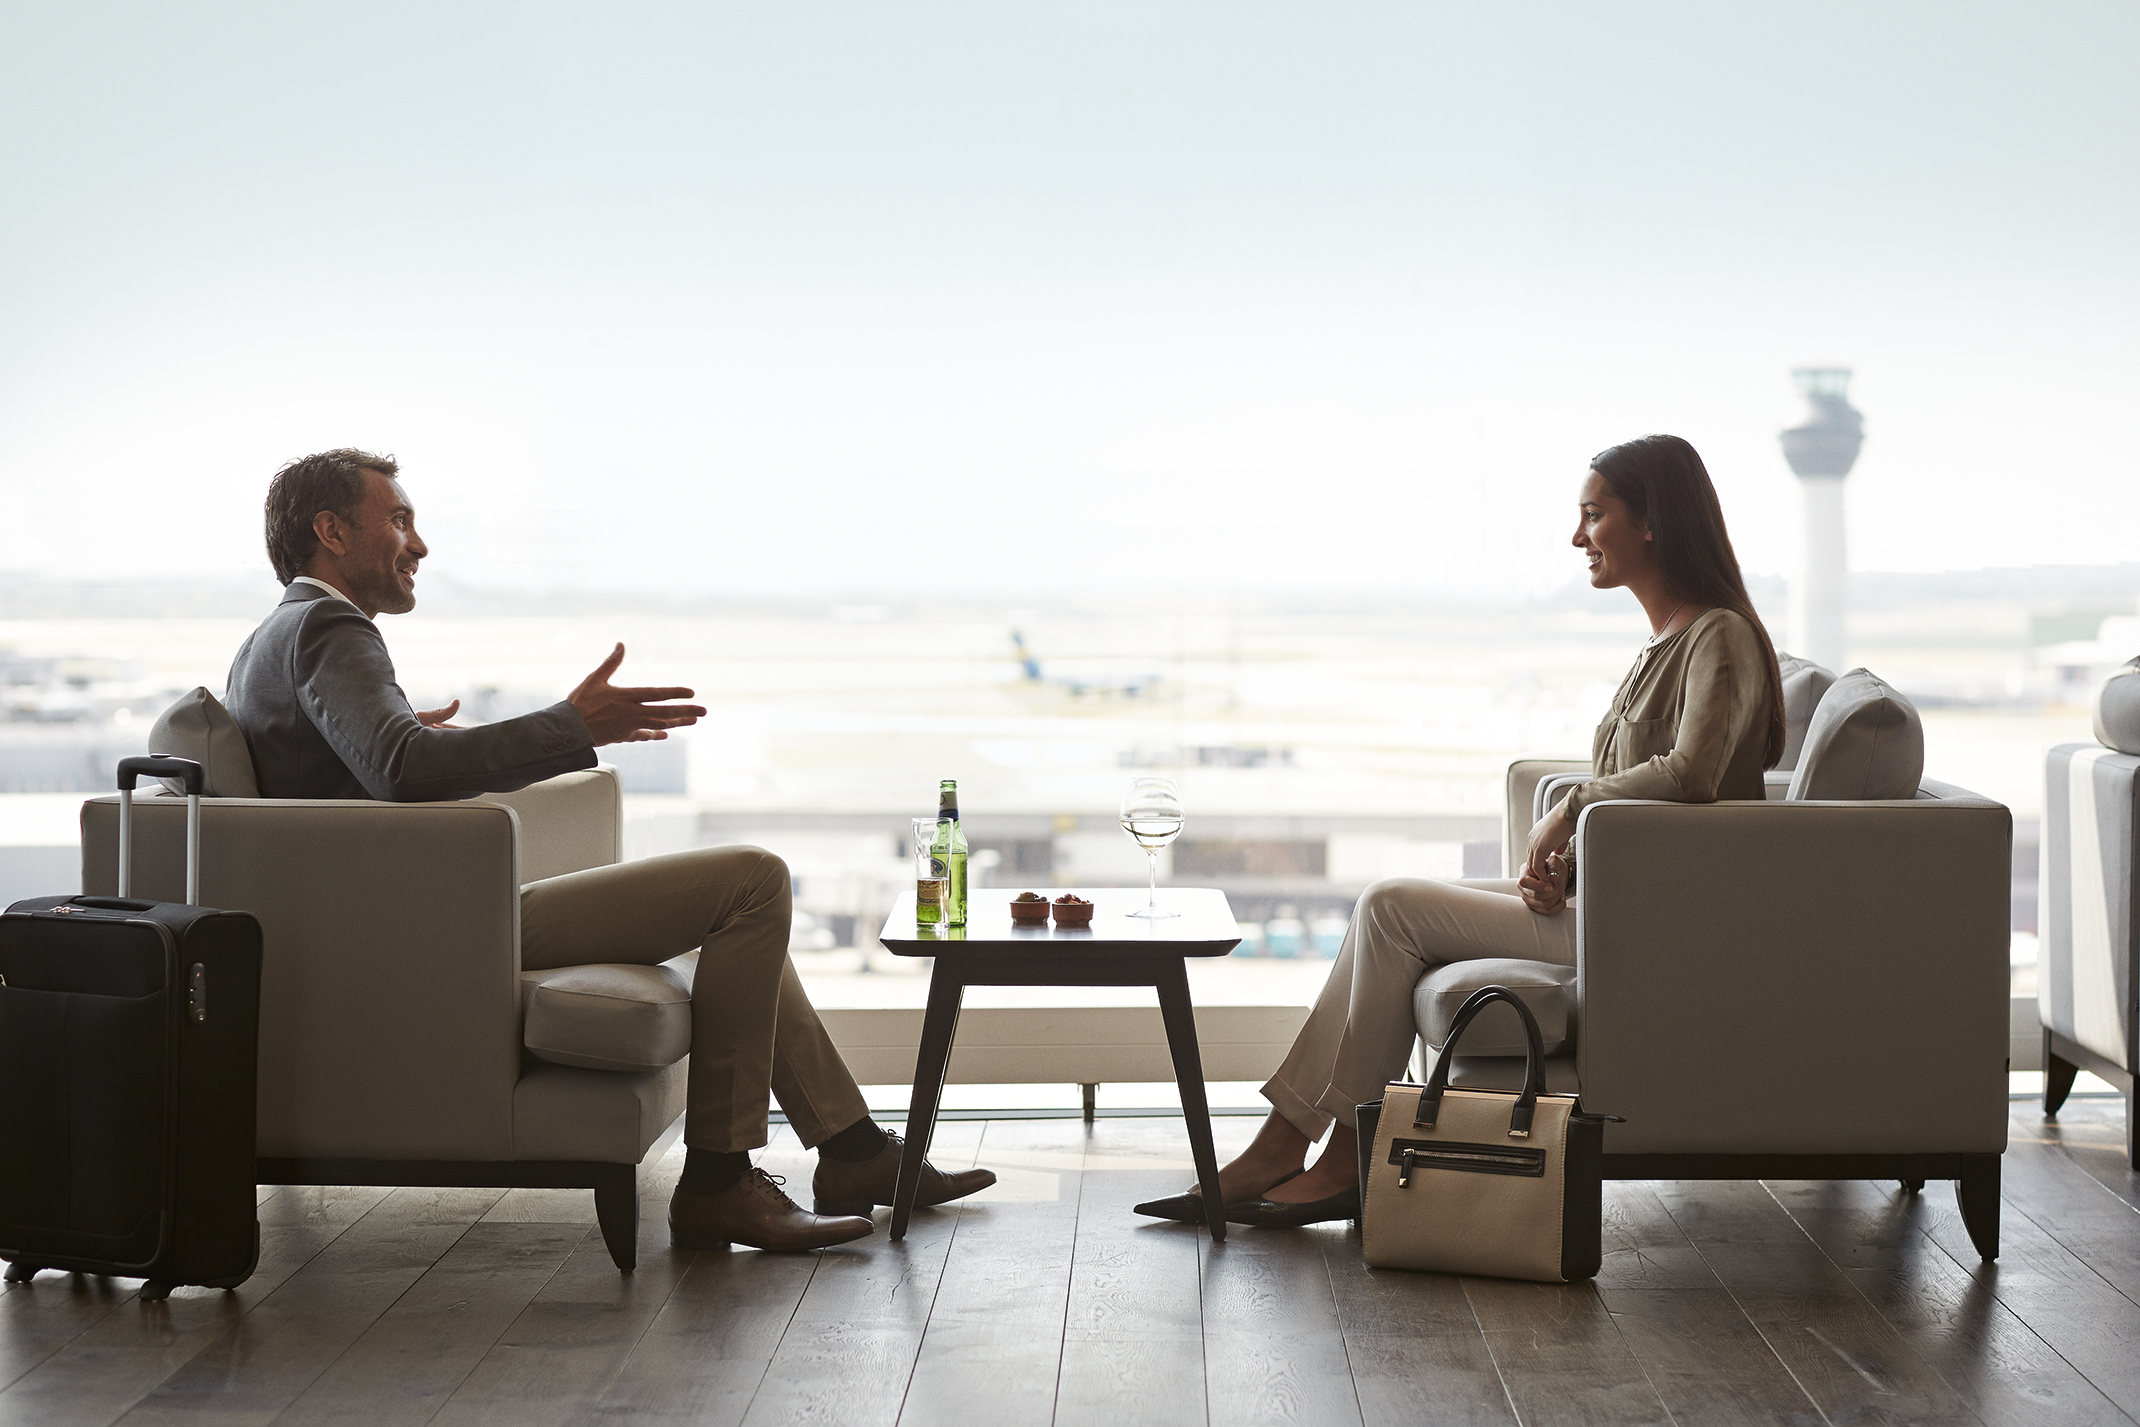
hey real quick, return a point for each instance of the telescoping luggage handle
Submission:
(1519, 1118)
(158, 765)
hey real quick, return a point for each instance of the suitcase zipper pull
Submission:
(197, 993)
(1404, 1170)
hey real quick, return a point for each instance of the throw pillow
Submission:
(1805, 683)
(1865, 742)
(2117, 710)
(200, 728)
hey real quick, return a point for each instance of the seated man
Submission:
(314, 692)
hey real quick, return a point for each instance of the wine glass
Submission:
(1151, 814)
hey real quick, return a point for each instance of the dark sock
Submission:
(711, 1171)
(859, 1143)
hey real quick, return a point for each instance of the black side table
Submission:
(1116, 950)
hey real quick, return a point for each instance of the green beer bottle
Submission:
(949, 849)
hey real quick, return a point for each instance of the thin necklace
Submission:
(1658, 637)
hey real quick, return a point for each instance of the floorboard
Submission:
(1560, 1356)
(1274, 1350)
(2091, 1133)
(130, 1347)
(2054, 1291)
(1048, 1300)
(1413, 1343)
(1704, 1359)
(405, 1366)
(994, 1343)
(1846, 1357)
(564, 1350)
(259, 1365)
(1133, 1334)
(849, 1348)
(1947, 1309)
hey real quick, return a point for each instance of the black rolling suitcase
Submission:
(128, 1043)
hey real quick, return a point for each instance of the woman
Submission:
(1697, 719)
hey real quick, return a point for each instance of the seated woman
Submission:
(1698, 718)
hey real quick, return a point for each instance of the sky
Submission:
(976, 299)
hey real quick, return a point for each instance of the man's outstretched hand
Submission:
(615, 715)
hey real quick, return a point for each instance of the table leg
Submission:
(938, 1026)
(1180, 1017)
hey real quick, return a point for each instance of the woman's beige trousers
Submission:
(1359, 1036)
(753, 1029)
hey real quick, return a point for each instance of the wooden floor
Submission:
(1718, 1303)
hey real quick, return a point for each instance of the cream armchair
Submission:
(2088, 977)
(1803, 989)
(396, 1024)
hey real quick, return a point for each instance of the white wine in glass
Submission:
(1152, 816)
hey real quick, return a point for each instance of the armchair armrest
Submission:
(568, 823)
(1519, 808)
(389, 998)
(1796, 977)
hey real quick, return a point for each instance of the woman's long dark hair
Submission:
(1663, 483)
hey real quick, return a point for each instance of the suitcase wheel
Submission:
(156, 1291)
(21, 1272)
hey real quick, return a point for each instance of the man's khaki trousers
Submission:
(1360, 1034)
(753, 1029)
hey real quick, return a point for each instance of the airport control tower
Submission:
(1821, 450)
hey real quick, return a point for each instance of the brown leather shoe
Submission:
(754, 1211)
(842, 1188)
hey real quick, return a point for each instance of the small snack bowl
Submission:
(1029, 909)
(1072, 911)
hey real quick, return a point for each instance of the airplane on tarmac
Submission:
(1127, 686)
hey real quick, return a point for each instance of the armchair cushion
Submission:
(200, 728)
(610, 1017)
(2117, 710)
(1805, 684)
(1865, 744)
(1548, 990)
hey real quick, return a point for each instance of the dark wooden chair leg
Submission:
(1913, 1186)
(1179, 1014)
(2057, 1078)
(616, 1210)
(938, 1026)
(1978, 1192)
(2132, 1145)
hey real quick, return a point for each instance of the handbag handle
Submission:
(1519, 1118)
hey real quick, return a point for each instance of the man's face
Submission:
(380, 548)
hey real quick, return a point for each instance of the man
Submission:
(314, 692)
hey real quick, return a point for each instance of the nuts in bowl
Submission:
(1072, 911)
(1029, 909)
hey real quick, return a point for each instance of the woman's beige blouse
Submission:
(1690, 722)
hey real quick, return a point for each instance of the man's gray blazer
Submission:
(314, 692)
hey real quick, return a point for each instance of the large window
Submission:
(1038, 396)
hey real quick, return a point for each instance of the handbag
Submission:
(1503, 1184)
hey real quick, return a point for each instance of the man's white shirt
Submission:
(323, 585)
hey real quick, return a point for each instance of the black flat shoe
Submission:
(1188, 1206)
(1269, 1214)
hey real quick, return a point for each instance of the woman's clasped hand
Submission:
(1542, 882)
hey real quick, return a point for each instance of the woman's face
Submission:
(1619, 545)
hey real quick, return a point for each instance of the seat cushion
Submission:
(200, 728)
(1548, 990)
(1805, 684)
(609, 1017)
(1865, 742)
(2117, 710)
